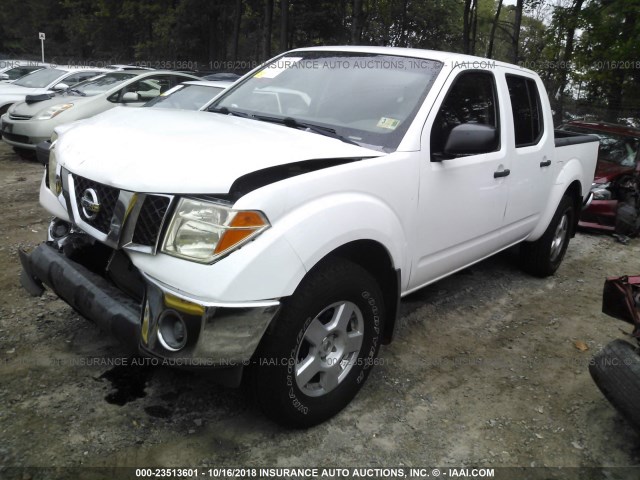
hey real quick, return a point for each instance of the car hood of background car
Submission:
(608, 171)
(172, 151)
(11, 89)
(30, 109)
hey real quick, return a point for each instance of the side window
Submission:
(471, 99)
(149, 87)
(78, 77)
(526, 109)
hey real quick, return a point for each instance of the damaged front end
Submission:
(615, 207)
(104, 286)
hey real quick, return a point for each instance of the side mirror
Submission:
(471, 138)
(130, 97)
(60, 87)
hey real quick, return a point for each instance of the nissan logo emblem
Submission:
(90, 204)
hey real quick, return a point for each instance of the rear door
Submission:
(531, 150)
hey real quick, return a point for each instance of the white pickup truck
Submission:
(273, 235)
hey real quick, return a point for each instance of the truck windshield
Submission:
(41, 78)
(368, 99)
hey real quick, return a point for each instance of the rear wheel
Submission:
(543, 257)
(616, 372)
(322, 348)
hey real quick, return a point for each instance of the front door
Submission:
(462, 198)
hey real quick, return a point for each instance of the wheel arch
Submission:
(373, 257)
(376, 259)
(573, 189)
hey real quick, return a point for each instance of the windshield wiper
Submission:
(226, 111)
(75, 90)
(309, 127)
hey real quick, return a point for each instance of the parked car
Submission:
(613, 208)
(8, 64)
(28, 123)
(43, 82)
(13, 74)
(272, 236)
(194, 95)
(616, 368)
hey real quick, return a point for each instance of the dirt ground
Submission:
(483, 371)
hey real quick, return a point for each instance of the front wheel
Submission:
(543, 257)
(322, 348)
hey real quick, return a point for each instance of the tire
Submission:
(543, 257)
(616, 372)
(322, 348)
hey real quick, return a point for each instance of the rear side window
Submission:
(471, 99)
(526, 109)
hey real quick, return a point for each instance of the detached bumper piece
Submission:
(163, 324)
(90, 294)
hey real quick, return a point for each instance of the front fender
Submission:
(327, 223)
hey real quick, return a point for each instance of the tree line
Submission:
(587, 51)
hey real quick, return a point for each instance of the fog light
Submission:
(59, 229)
(172, 331)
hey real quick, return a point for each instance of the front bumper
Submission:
(25, 133)
(217, 335)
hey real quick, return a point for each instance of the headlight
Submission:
(53, 111)
(55, 185)
(601, 191)
(203, 231)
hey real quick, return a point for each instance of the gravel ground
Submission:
(483, 371)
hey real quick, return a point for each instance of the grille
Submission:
(107, 197)
(150, 219)
(15, 138)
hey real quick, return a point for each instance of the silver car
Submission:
(30, 122)
(45, 81)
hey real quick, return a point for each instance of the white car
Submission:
(41, 82)
(13, 74)
(28, 123)
(195, 95)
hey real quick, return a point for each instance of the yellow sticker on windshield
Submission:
(276, 68)
(390, 123)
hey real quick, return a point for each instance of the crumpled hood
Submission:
(174, 151)
(608, 171)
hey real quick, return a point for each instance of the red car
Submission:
(614, 206)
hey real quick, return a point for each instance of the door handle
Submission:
(503, 173)
(546, 163)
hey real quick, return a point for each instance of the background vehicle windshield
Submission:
(41, 78)
(619, 149)
(101, 84)
(186, 97)
(17, 72)
(369, 99)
